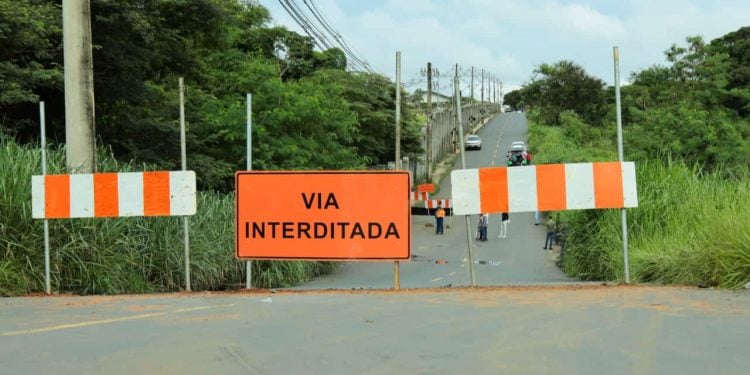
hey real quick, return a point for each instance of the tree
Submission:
(515, 100)
(565, 86)
(30, 62)
(688, 108)
(736, 45)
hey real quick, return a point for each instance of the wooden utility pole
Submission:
(79, 87)
(429, 122)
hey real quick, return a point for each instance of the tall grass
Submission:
(124, 255)
(690, 227)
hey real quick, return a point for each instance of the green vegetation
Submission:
(689, 228)
(687, 127)
(308, 113)
(106, 256)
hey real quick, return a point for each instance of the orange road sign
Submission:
(426, 188)
(329, 215)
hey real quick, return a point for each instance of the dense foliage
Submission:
(308, 112)
(696, 108)
(687, 126)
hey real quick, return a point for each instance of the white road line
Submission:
(436, 279)
(497, 145)
(107, 321)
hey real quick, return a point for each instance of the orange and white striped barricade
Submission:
(419, 196)
(64, 196)
(433, 203)
(549, 187)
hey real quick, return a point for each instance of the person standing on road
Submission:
(550, 233)
(504, 225)
(439, 215)
(484, 220)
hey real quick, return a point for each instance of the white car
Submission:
(518, 145)
(473, 141)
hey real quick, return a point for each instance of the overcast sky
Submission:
(510, 37)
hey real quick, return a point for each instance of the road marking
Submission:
(452, 273)
(107, 321)
(436, 279)
(497, 145)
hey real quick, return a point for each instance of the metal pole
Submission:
(79, 87)
(621, 158)
(472, 85)
(398, 110)
(494, 91)
(501, 94)
(47, 283)
(481, 89)
(429, 122)
(463, 166)
(249, 157)
(396, 265)
(185, 224)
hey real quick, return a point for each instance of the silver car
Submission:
(473, 141)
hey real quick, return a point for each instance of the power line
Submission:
(336, 35)
(300, 22)
(322, 33)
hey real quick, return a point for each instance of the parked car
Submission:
(473, 141)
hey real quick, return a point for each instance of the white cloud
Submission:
(510, 37)
(583, 20)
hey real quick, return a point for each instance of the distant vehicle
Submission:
(473, 141)
(516, 157)
(518, 145)
(518, 154)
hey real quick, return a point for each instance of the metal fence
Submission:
(444, 137)
(445, 134)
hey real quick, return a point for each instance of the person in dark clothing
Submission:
(550, 233)
(483, 222)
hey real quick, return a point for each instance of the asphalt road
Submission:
(539, 330)
(544, 329)
(516, 260)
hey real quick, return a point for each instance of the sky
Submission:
(509, 38)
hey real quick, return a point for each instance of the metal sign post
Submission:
(457, 89)
(186, 226)
(620, 156)
(396, 265)
(249, 167)
(47, 283)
